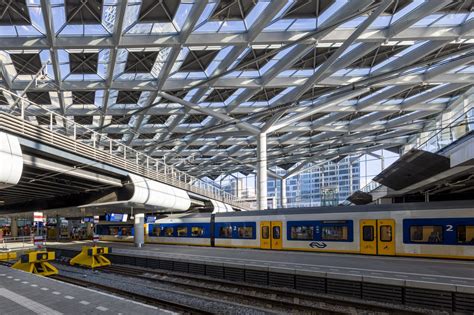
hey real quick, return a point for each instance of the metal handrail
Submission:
(123, 157)
(24, 240)
(456, 122)
(16, 239)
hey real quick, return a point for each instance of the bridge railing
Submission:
(444, 133)
(45, 125)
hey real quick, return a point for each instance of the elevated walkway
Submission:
(445, 174)
(95, 162)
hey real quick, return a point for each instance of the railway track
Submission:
(257, 295)
(169, 305)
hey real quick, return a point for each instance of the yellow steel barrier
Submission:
(7, 255)
(37, 262)
(92, 257)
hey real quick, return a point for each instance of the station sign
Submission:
(38, 217)
(88, 220)
(116, 217)
(150, 219)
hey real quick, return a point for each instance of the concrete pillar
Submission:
(139, 236)
(58, 228)
(283, 193)
(89, 231)
(262, 171)
(14, 227)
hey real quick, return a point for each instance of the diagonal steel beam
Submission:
(296, 93)
(51, 38)
(116, 38)
(210, 112)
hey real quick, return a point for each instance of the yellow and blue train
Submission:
(440, 229)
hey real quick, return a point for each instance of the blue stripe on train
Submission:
(318, 227)
(159, 229)
(449, 232)
(236, 233)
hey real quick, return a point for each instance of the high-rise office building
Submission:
(328, 184)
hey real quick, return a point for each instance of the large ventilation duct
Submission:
(221, 207)
(11, 160)
(153, 193)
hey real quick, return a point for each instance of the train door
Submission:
(368, 237)
(377, 237)
(276, 234)
(386, 237)
(212, 230)
(265, 241)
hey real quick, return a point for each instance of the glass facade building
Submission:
(328, 184)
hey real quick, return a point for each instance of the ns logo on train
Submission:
(318, 245)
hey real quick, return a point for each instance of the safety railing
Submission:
(15, 242)
(65, 133)
(455, 130)
(439, 137)
(371, 186)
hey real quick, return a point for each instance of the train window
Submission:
(197, 231)
(276, 232)
(426, 233)
(265, 232)
(304, 232)
(335, 233)
(182, 231)
(125, 231)
(385, 233)
(155, 231)
(245, 232)
(169, 231)
(465, 234)
(225, 231)
(368, 233)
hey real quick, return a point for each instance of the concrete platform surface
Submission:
(24, 293)
(431, 271)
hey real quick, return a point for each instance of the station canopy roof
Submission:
(194, 82)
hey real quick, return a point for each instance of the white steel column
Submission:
(262, 171)
(139, 236)
(283, 193)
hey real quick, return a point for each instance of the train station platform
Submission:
(24, 293)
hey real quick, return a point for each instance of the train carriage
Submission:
(439, 229)
(115, 231)
(184, 229)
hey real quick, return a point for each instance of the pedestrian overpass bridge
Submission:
(50, 165)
